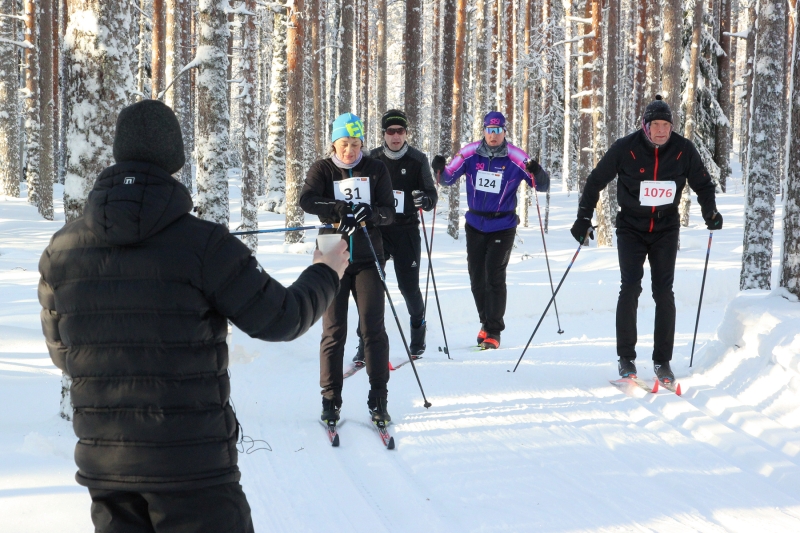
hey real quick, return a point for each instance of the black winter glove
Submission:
(542, 183)
(580, 227)
(715, 222)
(363, 212)
(348, 224)
(421, 200)
(437, 163)
(532, 166)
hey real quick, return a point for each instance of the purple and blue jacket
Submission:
(488, 211)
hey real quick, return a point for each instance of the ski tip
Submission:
(391, 367)
(390, 444)
(678, 389)
(655, 385)
(335, 441)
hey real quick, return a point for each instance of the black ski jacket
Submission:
(318, 198)
(635, 159)
(136, 297)
(412, 172)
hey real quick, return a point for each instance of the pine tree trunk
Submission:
(790, 258)
(611, 96)
(453, 69)
(265, 27)
(412, 58)
(32, 105)
(363, 65)
(177, 96)
(604, 225)
(346, 65)
(158, 65)
(213, 120)
(767, 109)
(747, 97)
(101, 81)
(672, 57)
(525, 143)
(294, 121)
(382, 66)
(640, 70)
(690, 123)
(483, 47)
(722, 148)
(276, 146)
(585, 147)
(567, 171)
(507, 29)
(142, 79)
(185, 100)
(9, 106)
(653, 47)
(46, 168)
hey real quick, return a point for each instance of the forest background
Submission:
(257, 84)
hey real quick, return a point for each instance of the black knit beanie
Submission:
(149, 131)
(658, 109)
(394, 117)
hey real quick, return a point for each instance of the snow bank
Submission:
(755, 355)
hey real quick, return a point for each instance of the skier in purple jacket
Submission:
(494, 169)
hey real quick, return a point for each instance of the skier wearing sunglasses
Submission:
(494, 169)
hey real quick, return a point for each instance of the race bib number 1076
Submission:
(656, 193)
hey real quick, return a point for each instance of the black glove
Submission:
(580, 227)
(715, 222)
(438, 163)
(421, 200)
(532, 166)
(363, 212)
(542, 183)
(348, 224)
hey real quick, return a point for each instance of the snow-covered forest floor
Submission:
(551, 448)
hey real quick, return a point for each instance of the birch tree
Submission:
(453, 70)
(39, 190)
(767, 117)
(672, 55)
(213, 120)
(790, 256)
(604, 224)
(100, 84)
(585, 66)
(46, 111)
(9, 104)
(653, 46)
(276, 146)
(177, 95)
(412, 60)
(722, 148)
(294, 121)
(691, 100)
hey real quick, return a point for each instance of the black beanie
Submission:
(149, 131)
(394, 117)
(658, 109)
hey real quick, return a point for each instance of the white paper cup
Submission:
(325, 243)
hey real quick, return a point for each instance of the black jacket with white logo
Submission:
(635, 159)
(412, 172)
(136, 297)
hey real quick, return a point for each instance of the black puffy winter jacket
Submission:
(136, 295)
(635, 159)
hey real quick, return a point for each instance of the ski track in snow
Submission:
(551, 447)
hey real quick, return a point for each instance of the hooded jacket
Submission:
(493, 211)
(635, 159)
(136, 296)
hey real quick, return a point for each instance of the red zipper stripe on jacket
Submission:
(655, 178)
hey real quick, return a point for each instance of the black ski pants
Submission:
(404, 245)
(364, 282)
(219, 508)
(661, 249)
(487, 260)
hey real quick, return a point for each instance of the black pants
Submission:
(403, 244)
(661, 250)
(216, 509)
(487, 260)
(364, 282)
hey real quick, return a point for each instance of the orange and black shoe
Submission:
(491, 342)
(481, 335)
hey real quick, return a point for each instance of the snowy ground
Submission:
(551, 448)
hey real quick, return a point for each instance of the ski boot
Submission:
(664, 372)
(359, 358)
(481, 335)
(417, 346)
(330, 411)
(377, 409)
(626, 367)
(491, 342)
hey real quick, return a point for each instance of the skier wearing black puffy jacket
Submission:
(136, 297)
(653, 164)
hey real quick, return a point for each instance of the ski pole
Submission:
(435, 292)
(391, 304)
(430, 268)
(547, 260)
(279, 230)
(700, 303)
(585, 240)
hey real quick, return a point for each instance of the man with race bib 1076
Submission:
(494, 169)
(653, 165)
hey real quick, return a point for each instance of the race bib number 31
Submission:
(354, 190)
(656, 193)
(399, 201)
(488, 181)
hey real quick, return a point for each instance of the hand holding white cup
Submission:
(332, 251)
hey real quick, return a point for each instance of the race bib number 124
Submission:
(656, 193)
(488, 181)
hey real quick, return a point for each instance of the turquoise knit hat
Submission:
(347, 125)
